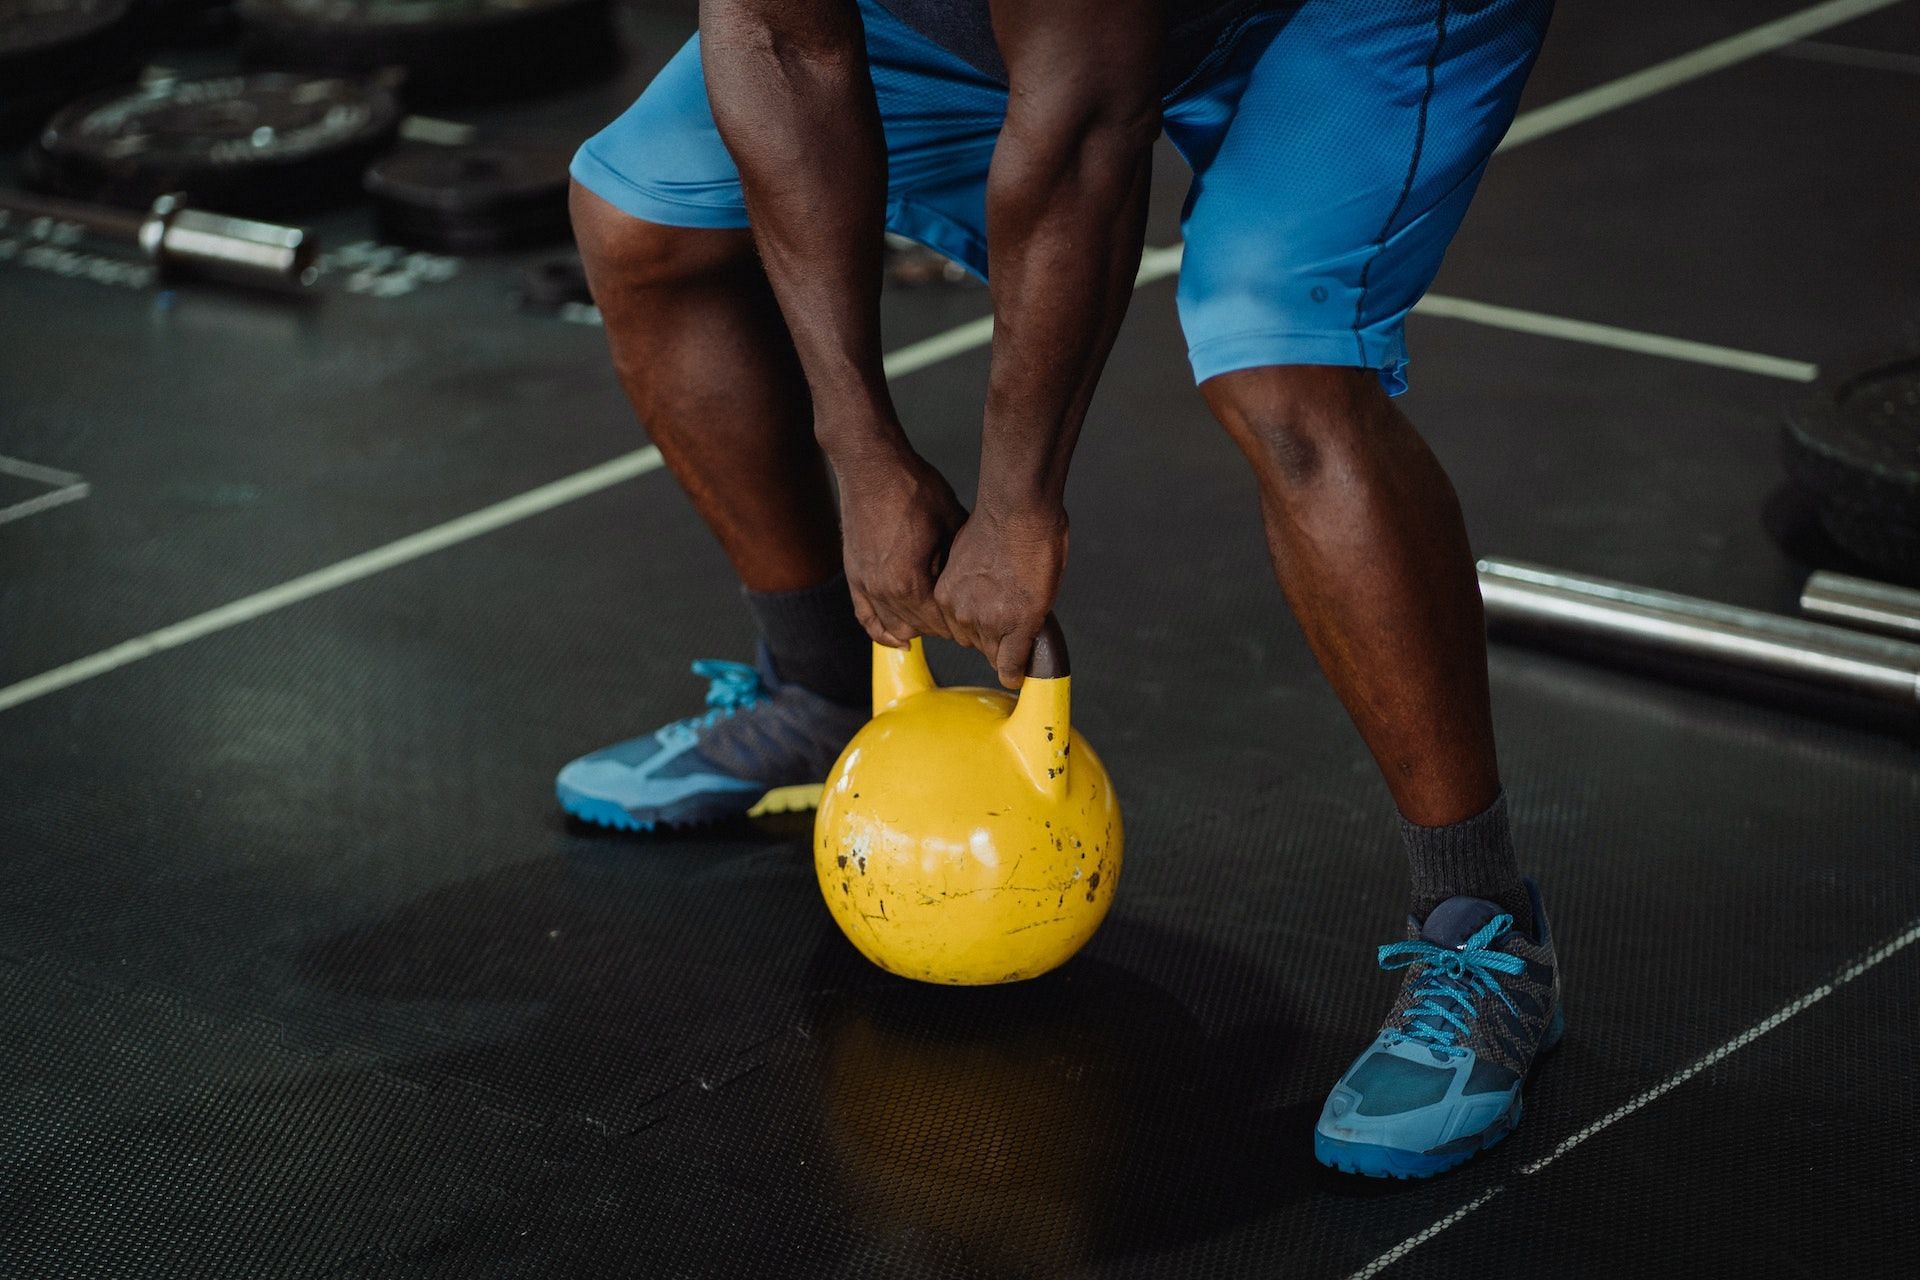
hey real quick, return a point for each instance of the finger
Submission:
(1011, 658)
(929, 619)
(901, 615)
(991, 647)
(869, 620)
(960, 630)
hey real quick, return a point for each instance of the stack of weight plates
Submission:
(262, 144)
(452, 51)
(1856, 448)
(471, 199)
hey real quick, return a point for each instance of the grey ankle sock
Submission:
(815, 640)
(1474, 858)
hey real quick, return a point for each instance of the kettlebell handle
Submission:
(1038, 729)
(1049, 660)
(900, 673)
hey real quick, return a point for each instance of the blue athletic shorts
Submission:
(1334, 147)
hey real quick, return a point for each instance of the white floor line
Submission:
(1627, 90)
(1879, 955)
(365, 565)
(1419, 1238)
(1848, 55)
(66, 487)
(1155, 264)
(53, 498)
(34, 471)
(941, 346)
(1606, 335)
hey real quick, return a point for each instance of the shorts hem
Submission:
(944, 235)
(1386, 355)
(636, 201)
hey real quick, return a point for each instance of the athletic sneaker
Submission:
(1441, 1082)
(760, 747)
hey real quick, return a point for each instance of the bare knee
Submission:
(1302, 425)
(624, 255)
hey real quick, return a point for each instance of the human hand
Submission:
(1001, 576)
(898, 516)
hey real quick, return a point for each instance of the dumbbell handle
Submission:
(183, 241)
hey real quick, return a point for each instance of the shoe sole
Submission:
(1374, 1161)
(695, 812)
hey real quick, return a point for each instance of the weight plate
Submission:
(1856, 447)
(450, 50)
(472, 198)
(242, 144)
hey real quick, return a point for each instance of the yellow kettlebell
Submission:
(965, 836)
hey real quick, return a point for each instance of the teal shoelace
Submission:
(733, 686)
(1452, 984)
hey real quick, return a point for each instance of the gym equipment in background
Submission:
(1858, 602)
(965, 836)
(262, 144)
(181, 241)
(1642, 620)
(471, 199)
(1855, 447)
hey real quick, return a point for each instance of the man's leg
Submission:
(1368, 543)
(1369, 546)
(701, 349)
(1317, 220)
(1334, 158)
(709, 365)
(704, 356)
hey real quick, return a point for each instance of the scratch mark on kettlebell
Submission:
(1022, 928)
(842, 860)
(1093, 882)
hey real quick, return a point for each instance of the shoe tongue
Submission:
(1454, 921)
(763, 663)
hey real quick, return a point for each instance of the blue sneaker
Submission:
(1441, 1082)
(760, 747)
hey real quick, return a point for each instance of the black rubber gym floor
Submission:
(301, 973)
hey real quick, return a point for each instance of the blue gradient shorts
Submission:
(1335, 147)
